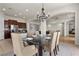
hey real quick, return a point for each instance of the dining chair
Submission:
(57, 42)
(18, 47)
(51, 46)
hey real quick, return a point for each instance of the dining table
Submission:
(38, 41)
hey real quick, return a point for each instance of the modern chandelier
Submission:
(42, 16)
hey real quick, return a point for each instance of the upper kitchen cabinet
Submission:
(21, 25)
(12, 22)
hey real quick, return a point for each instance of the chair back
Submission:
(53, 42)
(17, 43)
(58, 36)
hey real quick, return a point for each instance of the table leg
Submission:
(40, 50)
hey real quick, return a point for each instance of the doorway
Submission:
(68, 26)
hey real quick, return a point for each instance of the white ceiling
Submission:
(16, 8)
(63, 17)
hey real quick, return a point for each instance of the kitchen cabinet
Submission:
(7, 27)
(12, 22)
(21, 25)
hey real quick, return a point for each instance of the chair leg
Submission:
(54, 52)
(36, 54)
(14, 54)
(58, 47)
(50, 53)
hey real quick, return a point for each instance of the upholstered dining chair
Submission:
(18, 47)
(57, 42)
(51, 46)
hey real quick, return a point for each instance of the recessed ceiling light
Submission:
(26, 10)
(15, 15)
(3, 9)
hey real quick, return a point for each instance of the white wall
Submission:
(1, 26)
(66, 28)
(32, 26)
(77, 28)
(53, 27)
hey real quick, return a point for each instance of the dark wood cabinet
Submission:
(7, 27)
(7, 34)
(21, 25)
(8, 23)
(5, 22)
(12, 22)
(6, 30)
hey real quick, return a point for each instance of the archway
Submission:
(67, 19)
